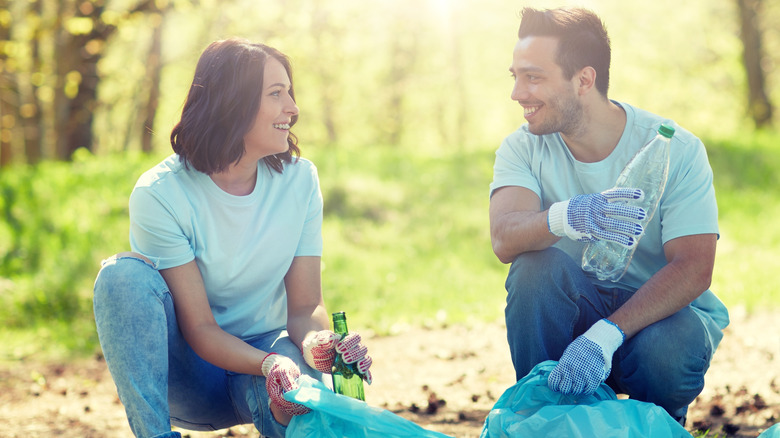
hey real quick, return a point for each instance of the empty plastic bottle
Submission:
(647, 170)
(347, 380)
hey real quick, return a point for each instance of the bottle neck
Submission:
(340, 326)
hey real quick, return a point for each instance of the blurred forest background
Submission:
(403, 103)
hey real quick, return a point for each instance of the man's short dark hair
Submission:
(582, 40)
(222, 104)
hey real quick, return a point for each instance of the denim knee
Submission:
(123, 277)
(538, 271)
(543, 290)
(663, 369)
(674, 387)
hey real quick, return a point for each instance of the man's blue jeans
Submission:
(551, 302)
(159, 378)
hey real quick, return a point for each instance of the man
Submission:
(650, 335)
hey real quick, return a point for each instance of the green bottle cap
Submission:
(666, 130)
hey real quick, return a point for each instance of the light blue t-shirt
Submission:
(544, 165)
(243, 245)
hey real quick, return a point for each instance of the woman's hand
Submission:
(320, 348)
(281, 375)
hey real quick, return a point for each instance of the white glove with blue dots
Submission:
(603, 216)
(587, 361)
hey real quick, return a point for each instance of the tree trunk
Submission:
(76, 68)
(759, 106)
(8, 111)
(77, 59)
(9, 107)
(153, 72)
(32, 117)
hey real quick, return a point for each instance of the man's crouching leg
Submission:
(665, 363)
(548, 297)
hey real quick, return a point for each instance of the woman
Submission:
(219, 307)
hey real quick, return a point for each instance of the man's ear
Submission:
(586, 80)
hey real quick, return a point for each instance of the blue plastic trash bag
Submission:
(336, 416)
(531, 409)
(772, 432)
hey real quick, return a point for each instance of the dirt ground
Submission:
(444, 379)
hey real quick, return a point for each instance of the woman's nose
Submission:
(291, 108)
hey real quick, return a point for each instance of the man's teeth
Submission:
(529, 110)
(282, 126)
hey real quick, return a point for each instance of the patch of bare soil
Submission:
(442, 379)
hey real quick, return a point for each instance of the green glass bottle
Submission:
(346, 378)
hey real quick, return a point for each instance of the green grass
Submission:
(57, 221)
(406, 238)
(747, 178)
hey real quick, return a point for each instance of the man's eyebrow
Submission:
(525, 69)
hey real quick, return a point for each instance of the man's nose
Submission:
(519, 91)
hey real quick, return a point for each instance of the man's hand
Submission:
(281, 375)
(587, 361)
(598, 216)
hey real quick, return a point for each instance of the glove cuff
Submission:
(607, 335)
(556, 218)
(268, 362)
(306, 347)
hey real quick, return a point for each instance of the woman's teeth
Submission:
(282, 125)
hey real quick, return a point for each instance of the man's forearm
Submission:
(673, 287)
(521, 231)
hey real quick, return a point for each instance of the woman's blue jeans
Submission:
(551, 302)
(160, 379)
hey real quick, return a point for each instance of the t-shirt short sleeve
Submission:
(311, 236)
(155, 231)
(513, 165)
(689, 205)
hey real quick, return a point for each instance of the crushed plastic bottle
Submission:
(647, 170)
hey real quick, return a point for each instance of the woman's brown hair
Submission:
(222, 104)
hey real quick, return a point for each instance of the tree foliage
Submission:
(50, 52)
(111, 75)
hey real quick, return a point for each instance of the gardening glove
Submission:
(281, 375)
(352, 351)
(320, 348)
(602, 216)
(587, 362)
